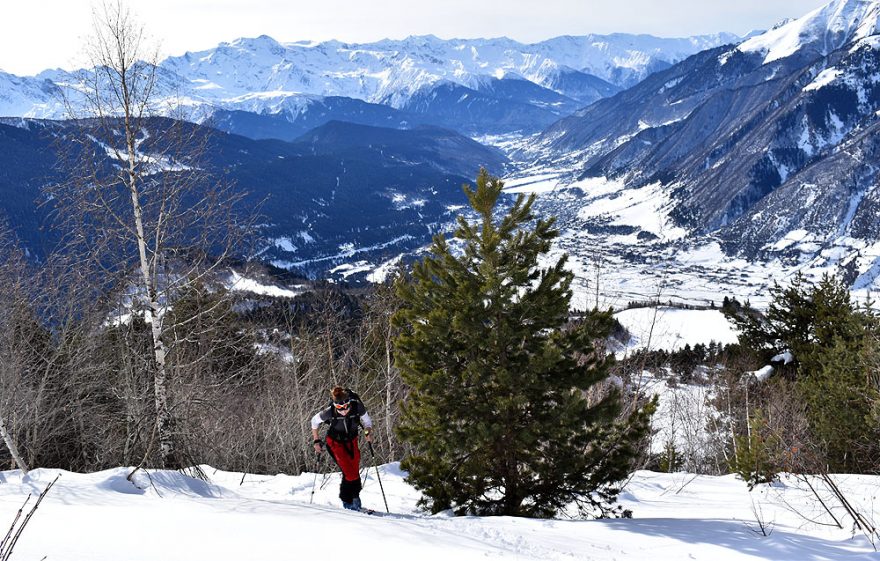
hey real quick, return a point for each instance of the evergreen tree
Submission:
(839, 407)
(835, 347)
(756, 458)
(669, 461)
(498, 419)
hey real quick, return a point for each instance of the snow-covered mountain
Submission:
(537, 83)
(29, 96)
(392, 71)
(770, 147)
(822, 31)
(727, 142)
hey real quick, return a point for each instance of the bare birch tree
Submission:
(45, 358)
(12, 300)
(140, 199)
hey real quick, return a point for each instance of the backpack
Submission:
(345, 428)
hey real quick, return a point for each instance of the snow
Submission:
(285, 244)
(870, 264)
(380, 273)
(837, 128)
(346, 250)
(762, 374)
(793, 238)
(785, 357)
(403, 202)
(854, 201)
(535, 182)
(265, 76)
(825, 29)
(348, 269)
(239, 283)
(675, 266)
(646, 207)
(103, 517)
(673, 328)
(150, 164)
(824, 78)
(540, 181)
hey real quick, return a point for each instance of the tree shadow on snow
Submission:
(741, 536)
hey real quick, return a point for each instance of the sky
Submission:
(41, 34)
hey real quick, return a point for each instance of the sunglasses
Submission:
(342, 406)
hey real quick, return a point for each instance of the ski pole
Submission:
(373, 455)
(315, 481)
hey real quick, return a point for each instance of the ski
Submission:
(372, 512)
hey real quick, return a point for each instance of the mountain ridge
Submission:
(774, 156)
(263, 76)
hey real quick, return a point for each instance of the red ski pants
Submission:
(347, 456)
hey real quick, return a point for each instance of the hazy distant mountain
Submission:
(391, 71)
(442, 149)
(519, 87)
(304, 113)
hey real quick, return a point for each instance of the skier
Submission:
(345, 413)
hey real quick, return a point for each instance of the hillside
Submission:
(379, 193)
(763, 153)
(803, 93)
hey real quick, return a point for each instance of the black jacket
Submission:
(344, 427)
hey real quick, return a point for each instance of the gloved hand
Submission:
(319, 446)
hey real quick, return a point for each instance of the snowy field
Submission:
(673, 328)
(103, 517)
(622, 242)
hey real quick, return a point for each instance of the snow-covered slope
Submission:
(824, 30)
(168, 516)
(671, 329)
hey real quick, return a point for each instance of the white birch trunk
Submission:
(163, 413)
(298, 393)
(388, 393)
(10, 444)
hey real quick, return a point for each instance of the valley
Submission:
(594, 295)
(679, 169)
